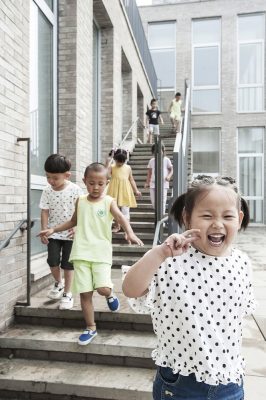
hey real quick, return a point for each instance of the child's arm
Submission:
(170, 173)
(170, 107)
(161, 119)
(148, 179)
(62, 227)
(121, 220)
(44, 223)
(147, 121)
(139, 276)
(133, 184)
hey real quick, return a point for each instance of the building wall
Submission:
(14, 116)
(183, 13)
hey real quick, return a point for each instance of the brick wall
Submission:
(14, 111)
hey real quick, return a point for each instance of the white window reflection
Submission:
(206, 151)
(206, 90)
(251, 54)
(251, 169)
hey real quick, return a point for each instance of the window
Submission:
(206, 151)
(250, 169)
(206, 42)
(42, 102)
(251, 53)
(162, 43)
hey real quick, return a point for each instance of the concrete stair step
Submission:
(71, 380)
(139, 226)
(146, 237)
(115, 347)
(141, 216)
(126, 250)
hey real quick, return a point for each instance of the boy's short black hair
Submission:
(153, 101)
(95, 167)
(57, 164)
(153, 148)
(178, 94)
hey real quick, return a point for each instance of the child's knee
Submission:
(104, 291)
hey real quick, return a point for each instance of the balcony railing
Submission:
(141, 41)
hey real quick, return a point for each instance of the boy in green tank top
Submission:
(91, 252)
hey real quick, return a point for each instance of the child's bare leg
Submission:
(69, 275)
(87, 309)
(56, 272)
(104, 291)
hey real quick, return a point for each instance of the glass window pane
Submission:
(42, 115)
(250, 169)
(164, 63)
(36, 244)
(251, 27)
(49, 3)
(250, 63)
(161, 35)
(206, 149)
(250, 99)
(250, 140)
(207, 31)
(208, 100)
(206, 66)
(256, 211)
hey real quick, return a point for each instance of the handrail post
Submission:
(158, 181)
(28, 223)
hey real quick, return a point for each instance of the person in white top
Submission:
(167, 174)
(198, 289)
(57, 206)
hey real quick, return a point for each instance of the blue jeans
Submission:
(169, 386)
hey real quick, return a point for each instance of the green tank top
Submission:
(93, 235)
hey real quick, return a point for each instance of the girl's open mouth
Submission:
(216, 239)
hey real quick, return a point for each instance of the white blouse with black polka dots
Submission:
(197, 303)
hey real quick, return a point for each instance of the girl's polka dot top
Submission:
(197, 304)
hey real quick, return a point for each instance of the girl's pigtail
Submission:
(177, 209)
(246, 218)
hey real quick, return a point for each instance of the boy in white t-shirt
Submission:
(167, 174)
(58, 205)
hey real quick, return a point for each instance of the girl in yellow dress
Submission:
(122, 185)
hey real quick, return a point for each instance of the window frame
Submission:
(210, 87)
(214, 174)
(151, 48)
(244, 85)
(253, 155)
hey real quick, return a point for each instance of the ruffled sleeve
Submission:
(144, 304)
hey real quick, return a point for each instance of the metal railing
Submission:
(180, 171)
(134, 19)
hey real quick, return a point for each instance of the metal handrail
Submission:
(157, 230)
(29, 222)
(5, 242)
(128, 132)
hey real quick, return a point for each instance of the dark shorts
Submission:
(169, 386)
(58, 253)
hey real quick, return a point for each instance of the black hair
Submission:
(95, 167)
(153, 101)
(178, 94)
(200, 184)
(120, 156)
(57, 164)
(153, 148)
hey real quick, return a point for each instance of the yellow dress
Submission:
(120, 188)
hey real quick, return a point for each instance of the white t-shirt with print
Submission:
(197, 304)
(61, 206)
(167, 165)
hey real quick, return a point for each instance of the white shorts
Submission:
(154, 129)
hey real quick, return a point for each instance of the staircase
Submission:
(39, 356)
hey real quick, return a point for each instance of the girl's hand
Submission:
(167, 179)
(146, 185)
(138, 193)
(71, 233)
(44, 235)
(177, 244)
(132, 238)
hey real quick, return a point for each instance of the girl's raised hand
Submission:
(178, 244)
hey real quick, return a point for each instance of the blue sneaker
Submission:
(113, 303)
(86, 337)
